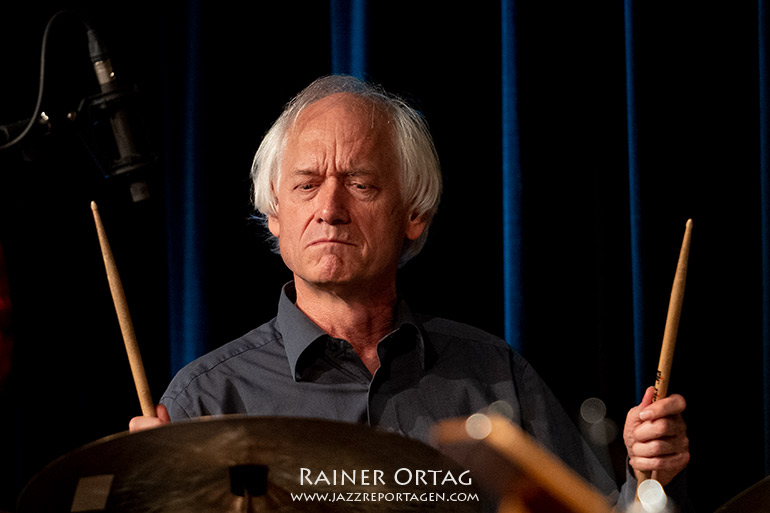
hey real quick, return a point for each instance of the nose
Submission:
(332, 204)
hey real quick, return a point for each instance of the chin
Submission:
(332, 268)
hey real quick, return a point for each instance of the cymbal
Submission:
(218, 464)
(754, 499)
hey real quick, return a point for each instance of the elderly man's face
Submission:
(341, 220)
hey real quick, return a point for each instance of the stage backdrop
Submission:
(575, 140)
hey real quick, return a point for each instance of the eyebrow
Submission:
(303, 172)
(350, 174)
(357, 172)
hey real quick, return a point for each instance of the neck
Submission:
(362, 318)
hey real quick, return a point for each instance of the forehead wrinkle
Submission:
(350, 103)
(354, 122)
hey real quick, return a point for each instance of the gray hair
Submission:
(419, 165)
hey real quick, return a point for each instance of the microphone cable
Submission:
(41, 85)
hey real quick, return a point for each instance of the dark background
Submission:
(217, 74)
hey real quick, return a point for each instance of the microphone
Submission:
(112, 101)
(103, 121)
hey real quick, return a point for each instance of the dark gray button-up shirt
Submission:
(430, 369)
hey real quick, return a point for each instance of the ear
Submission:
(274, 225)
(415, 226)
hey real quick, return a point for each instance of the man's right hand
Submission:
(141, 423)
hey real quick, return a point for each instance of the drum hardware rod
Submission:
(672, 325)
(246, 507)
(124, 318)
(248, 481)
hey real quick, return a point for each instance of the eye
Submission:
(360, 182)
(363, 189)
(305, 186)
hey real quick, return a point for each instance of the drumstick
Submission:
(672, 319)
(672, 323)
(124, 318)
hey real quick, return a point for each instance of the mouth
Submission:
(321, 242)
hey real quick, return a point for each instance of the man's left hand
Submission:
(656, 437)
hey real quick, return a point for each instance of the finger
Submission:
(162, 413)
(672, 405)
(671, 463)
(647, 399)
(666, 427)
(633, 413)
(661, 447)
(142, 423)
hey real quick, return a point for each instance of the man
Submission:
(348, 181)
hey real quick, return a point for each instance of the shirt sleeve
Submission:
(175, 411)
(544, 418)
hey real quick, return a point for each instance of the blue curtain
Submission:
(512, 184)
(635, 202)
(348, 37)
(188, 321)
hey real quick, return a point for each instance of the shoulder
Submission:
(446, 332)
(229, 358)
(458, 341)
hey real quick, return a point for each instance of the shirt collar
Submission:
(296, 328)
(299, 332)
